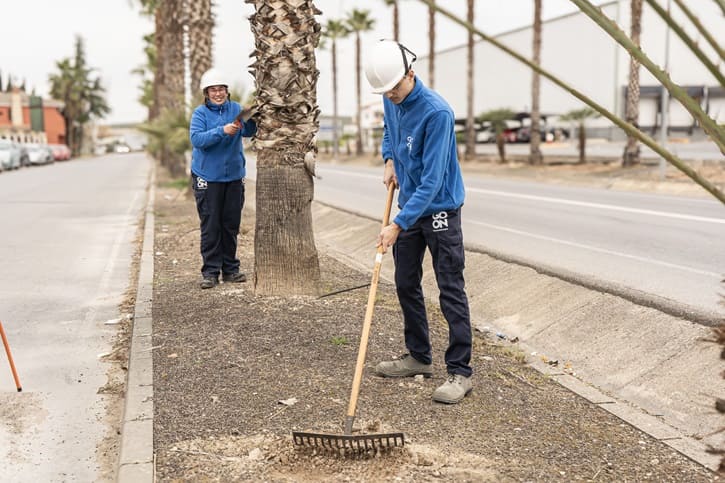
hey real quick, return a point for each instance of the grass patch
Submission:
(178, 183)
(339, 340)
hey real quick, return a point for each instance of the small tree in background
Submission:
(497, 119)
(579, 117)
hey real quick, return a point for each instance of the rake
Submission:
(360, 442)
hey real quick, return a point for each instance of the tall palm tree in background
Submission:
(431, 46)
(146, 72)
(535, 156)
(630, 157)
(470, 120)
(200, 26)
(79, 87)
(335, 29)
(285, 71)
(359, 21)
(396, 18)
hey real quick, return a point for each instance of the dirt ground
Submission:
(235, 374)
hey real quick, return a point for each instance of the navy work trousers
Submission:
(441, 234)
(220, 213)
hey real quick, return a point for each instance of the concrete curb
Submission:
(136, 458)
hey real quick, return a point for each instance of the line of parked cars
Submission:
(17, 155)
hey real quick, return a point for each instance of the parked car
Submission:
(39, 153)
(10, 155)
(61, 152)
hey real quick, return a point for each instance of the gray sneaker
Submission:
(453, 390)
(405, 366)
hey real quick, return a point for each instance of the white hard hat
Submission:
(386, 65)
(213, 77)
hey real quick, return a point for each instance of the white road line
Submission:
(597, 205)
(596, 249)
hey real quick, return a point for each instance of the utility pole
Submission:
(665, 99)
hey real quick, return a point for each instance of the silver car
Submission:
(39, 153)
(10, 155)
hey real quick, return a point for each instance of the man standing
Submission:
(217, 176)
(419, 150)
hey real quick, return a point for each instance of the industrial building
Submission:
(587, 58)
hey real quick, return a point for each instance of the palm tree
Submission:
(631, 150)
(470, 132)
(82, 93)
(335, 29)
(359, 21)
(200, 26)
(497, 118)
(285, 71)
(535, 156)
(579, 118)
(396, 19)
(431, 44)
(146, 72)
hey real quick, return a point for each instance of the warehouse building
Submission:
(587, 58)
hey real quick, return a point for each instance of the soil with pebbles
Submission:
(235, 374)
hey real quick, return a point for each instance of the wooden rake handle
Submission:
(10, 358)
(362, 351)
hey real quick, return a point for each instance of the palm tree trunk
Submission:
(582, 143)
(335, 120)
(200, 27)
(396, 21)
(154, 109)
(470, 132)
(431, 46)
(630, 157)
(535, 156)
(358, 113)
(171, 64)
(285, 71)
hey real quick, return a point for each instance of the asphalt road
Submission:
(67, 237)
(670, 247)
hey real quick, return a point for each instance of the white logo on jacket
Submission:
(409, 143)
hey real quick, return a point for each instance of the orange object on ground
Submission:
(10, 358)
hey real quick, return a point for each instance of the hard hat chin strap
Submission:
(403, 50)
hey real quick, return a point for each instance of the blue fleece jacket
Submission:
(420, 139)
(216, 156)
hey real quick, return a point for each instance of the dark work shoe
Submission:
(234, 277)
(208, 282)
(453, 390)
(405, 366)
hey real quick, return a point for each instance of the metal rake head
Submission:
(342, 443)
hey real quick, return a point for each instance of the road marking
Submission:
(597, 249)
(603, 206)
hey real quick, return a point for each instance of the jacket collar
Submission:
(413, 95)
(216, 107)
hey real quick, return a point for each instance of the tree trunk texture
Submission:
(630, 157)
(535, 156)
(286, 34)
(431, 47)
(470, 131)
(171, 63)
(154, 109)
(396, 21)
(201, 25)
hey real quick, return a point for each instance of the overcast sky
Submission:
(37, 33)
